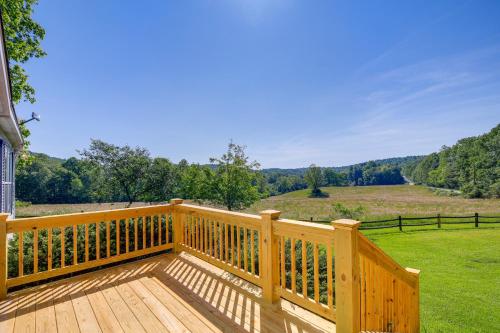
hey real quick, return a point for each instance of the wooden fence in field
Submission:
(438, 220)
(331, 270)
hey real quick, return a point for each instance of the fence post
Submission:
(400, 223)
(439, 220)
(270, 256)
(347, 279)
(176, 224)
(476, 218)
(3, 255)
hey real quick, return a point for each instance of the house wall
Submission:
(7, 177)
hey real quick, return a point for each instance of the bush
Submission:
(341, 211)
(20, 204)
(317, 193)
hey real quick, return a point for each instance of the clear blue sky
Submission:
(297, 82)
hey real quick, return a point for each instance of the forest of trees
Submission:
(472, 166)
(107, 173)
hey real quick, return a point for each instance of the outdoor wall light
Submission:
(34, 116)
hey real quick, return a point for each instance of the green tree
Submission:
(233, 183)
(314, 178)
(123, 166)
(161, 181)
(22, 41)
(195, 182)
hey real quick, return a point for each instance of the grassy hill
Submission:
(378, 202)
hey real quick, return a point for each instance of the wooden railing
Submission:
(331, 270)
(389, 292)
(63, 244)
(306, 265)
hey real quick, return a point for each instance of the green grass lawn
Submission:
(460, 275)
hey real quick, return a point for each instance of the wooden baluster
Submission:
(347, 281)
(108, 239)
(238, 236)
(226, 241)
(304, 268)
(214, 237)
(202, 234)
(35, 251)
(75, 244)
(98, 240)
(20, 254)
(167, 231)
(196, 235)
(184, 229)
(49, 249)
(252, 252)
(329, 275)
(152, 230)
(86, 242)
(233, 248)
(4, 273)
(117, 230)
(282, 262)
(316, 272)
(210, 248)
(136, 233)
(293, 258)
(159, 218)
(221, 226)
(269, 269)
(127, 236)
(191, 233)
(144, 232)
(245, 248)
(63, 246)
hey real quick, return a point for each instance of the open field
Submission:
(460, 275)
(58, 209)
(379, 202)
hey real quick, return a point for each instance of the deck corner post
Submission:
(3, 255)
(347, 276)
(270, 257)
(176, 224)
(415, 301)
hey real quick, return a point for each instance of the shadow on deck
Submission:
(165, 293)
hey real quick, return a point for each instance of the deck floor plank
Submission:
(166, 293)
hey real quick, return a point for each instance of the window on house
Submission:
(7, 179)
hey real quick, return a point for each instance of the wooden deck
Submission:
(166, 293)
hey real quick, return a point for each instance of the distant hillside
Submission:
(472, 165)
(49, 159)
(393, 161)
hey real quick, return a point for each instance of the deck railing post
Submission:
(3, 255)
(415, 301)
(270, 257)
(176, 224)
(347, 278)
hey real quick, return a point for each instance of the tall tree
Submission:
(22, 40)
(314, 178)
(233, 183)
(125, 166)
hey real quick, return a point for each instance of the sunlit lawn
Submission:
(460, 275)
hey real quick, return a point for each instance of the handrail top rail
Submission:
(92, 213)
(29, 223)
(305, 224)
(211, 210)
